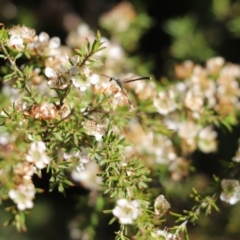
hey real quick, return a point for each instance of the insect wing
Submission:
(136, 79)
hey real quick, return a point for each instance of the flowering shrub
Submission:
(60, 114)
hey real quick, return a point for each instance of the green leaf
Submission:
(60, 188)
(58, 136)
(19, 55)
(112, 221)
(67, 182)
(8, 77)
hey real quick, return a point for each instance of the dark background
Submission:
(49, 15)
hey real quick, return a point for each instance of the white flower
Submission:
(79, 83)
(126, 211)
(94, 129)
(16, 42)
(57, 80)
(207, 140)
(65, 111)
(194, 101)
(43, 37)
(214, 65)
(79, 79)
(81, 156)
(50, 73)
(86, 72)
(114, 53)
(23, 195)
(37, 155)
(54, 42)
(88, 177)
(83, 30)
(188, 130)
(94, 79)
(43, 45)
(164, 235)
(118, 99)
(161, 205)
(25, 170)
(24, 32)
(231, 191)
(160, 234)
(165, 102)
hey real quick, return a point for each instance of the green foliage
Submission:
(221, 8)
(199, 35)
(126, 31)
(233, 26)
(189, 41)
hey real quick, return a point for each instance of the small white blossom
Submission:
(44, 111)
(82, 78)
(165, 102)
(81, 156)
(79, 78)
(160, 234)
(164, 235)
(64, 111)
(207, 140)
(86, 72)
(114, 53)
(54, 42)
(37, 155)
(23, 195)
(231, 191)
(88, 177)
(79, 83)
(43, 45)
(75, 39)
(50, 72)
(43, 37)
(161, 205)
(94, 129)
(25, 170)
(16, 42)
(118, 99)
(57, 79)
(24, 32)
(126, 211)
(83, 30)
(194, 101)
(188, 130)
(94, 79)
(214, 65)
